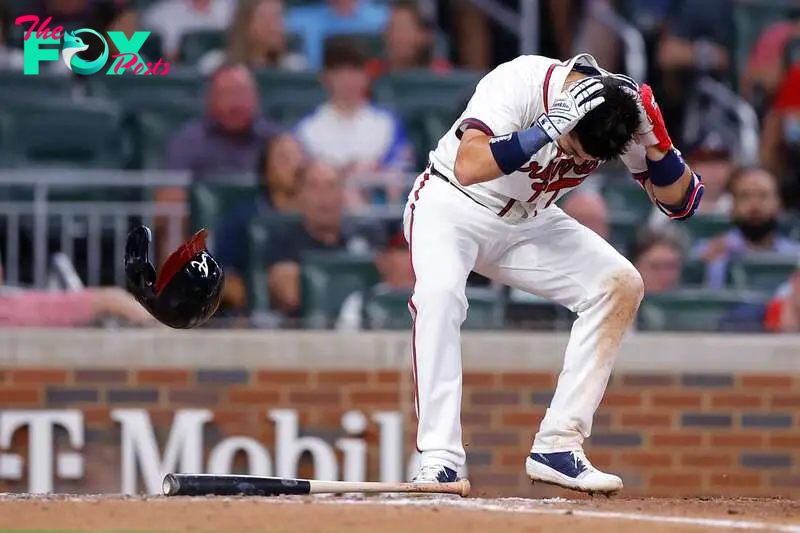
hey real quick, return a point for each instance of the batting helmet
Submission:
(187, 291)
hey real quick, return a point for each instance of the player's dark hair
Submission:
(343, 51)
(607, 130)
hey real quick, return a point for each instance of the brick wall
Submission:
(665, 433)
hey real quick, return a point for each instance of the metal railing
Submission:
(43, 224)
(525, 24)
(635, 55)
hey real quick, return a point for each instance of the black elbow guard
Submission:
(187, 291)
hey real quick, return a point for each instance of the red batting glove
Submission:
(662, 140)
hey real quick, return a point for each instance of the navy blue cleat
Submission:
(570, 470)
(435, 474)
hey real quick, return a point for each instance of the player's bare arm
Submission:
(483, 158)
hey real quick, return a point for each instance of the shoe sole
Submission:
(567, 485)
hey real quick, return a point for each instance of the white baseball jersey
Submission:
(510, 98)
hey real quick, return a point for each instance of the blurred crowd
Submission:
(348, 154)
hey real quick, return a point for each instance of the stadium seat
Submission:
(153, 122)
(62, 132)
(624, 226)
(208, 203)
(274, 84)
(16, 84)
(328, 278)
(452, 89)
(196, 43)
(705, 226)
(693, 273)
(762, 272)
(693, 309)
(180, 82)
(627, 196)
(389, 310)
(258, 234)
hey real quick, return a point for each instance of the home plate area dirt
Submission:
(393, 515)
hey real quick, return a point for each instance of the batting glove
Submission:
(644, 133)
(657, 135)
(571, 106)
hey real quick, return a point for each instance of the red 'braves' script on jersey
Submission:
(551, 178)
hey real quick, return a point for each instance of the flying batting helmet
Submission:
(187, 291)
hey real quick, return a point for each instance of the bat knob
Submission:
(170, 485)
(465, 488)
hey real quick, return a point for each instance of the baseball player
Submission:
(535, 128)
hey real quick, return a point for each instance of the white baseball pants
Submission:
(550, 255)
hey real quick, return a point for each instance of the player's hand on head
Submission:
(644, 133)
(571, 106)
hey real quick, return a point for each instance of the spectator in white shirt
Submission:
(172, 19)
(348, 132)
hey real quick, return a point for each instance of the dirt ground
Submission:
(394, 515)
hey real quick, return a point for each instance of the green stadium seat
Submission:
(692, 309)
(451, 89)
(328, 278)
(277, 84)
(180, 82)
(624, 226)
(209, 202)
(15, 84)
(195, 44)
(258, 235)
(705, 226)
(627, 196)
(693, 273)
(424, 129)
(59, 132)
(153, 122)
(762, 272)
(388, 310)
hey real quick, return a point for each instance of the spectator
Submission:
(172, 19)
(83, 307)
(347, 131)
(395, 270)
(756, 211)
(231, 135)
(712, 160)
(780, 138)
(315, 23)
(659, 256)
(766, 64)
(257, 39)
(590, 209)
(409, 42)
(10, 58)
(321, 203)
(698, 39)
(279, 167)
(228, 139)
(783, 311)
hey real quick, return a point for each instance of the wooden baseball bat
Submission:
(240, 485)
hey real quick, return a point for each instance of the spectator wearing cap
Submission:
(279, 168)
(756, 213)
(347, 131)
(315, 23)
(257, 39)
(172, 19)
(408, 40)
(711, 158)
(394, 267)
(783, 311)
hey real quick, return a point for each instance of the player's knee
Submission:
(626, 288)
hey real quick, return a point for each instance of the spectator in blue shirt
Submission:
(314, 23)
(756, 211)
